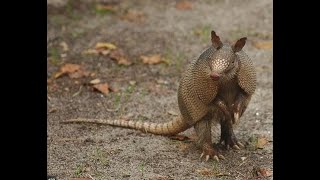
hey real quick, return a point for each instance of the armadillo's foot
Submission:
(228, 137)
(209, 152)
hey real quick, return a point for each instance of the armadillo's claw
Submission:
(236, 147)
(234, 144)
(201, 155)
(236, 117)
(221, 157)
(207, 157)
(216, 158)
(240, 144)
(210, 152)
(228, 137)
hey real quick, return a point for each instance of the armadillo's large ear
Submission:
(216, 43)
(239, 44)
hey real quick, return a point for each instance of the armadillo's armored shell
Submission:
(191, 107)
(247, 75)
(196, 90)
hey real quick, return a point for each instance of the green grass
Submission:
(54, 56)
(252, 143)
(101, 157)
(239, 33)
(76, 33)
(203, 33)
(79, 170)
(102, 11)
(117, 99)
(57, 20)
(174, 59)
(128, 92)
(143, 92)
(71, 11)
(130, 89)
(142, 168)
(142, 118)
(122, 97)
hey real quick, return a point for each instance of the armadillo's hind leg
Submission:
(228, 136)
(203, 130)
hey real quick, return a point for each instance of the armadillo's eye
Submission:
(233, 60)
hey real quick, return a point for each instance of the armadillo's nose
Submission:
(215, 76)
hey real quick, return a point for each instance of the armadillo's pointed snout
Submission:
(215, 76)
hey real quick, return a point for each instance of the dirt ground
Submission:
(179, 33)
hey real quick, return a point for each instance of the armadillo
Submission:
(215, 87)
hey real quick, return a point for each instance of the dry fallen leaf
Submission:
(205, 172)
(103, 88)
(64, 46)
(260, 171)
(104, 52)
(101, 7)
(67, 68)
(183, 146)
(114, 89)
(95, 81)
(90, 51)
(79, 74)
(101, 45)
(152, 59)
(119, 56)
(49, 81)
(134, 16)
(111, 50)
(263, 45)
(70, 68)
(132, 83)
(96, 51)
(161, 81)
(124, 61)
(80, 179)
(73, 70)
(261, 142)
(183, 5)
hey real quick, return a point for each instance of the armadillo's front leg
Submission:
(228, 136)
(227, 112)
(203, 130)
(240, 105)
(227, 119)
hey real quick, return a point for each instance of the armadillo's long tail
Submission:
(168, 128)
